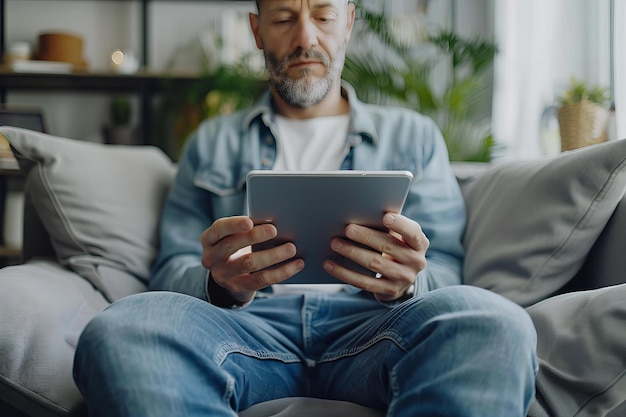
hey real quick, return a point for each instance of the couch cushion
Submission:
(580, 347)
(100, 204)
(308, 407)
(43, 310)
(531, 224)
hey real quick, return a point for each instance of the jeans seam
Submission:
(394, 337)
(262, 355)
(393, 384)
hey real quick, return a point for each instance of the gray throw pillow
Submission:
(531, 224)
(99, 203)
(580, 347)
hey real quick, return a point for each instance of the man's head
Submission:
(304, 43)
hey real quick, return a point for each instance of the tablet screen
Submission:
(310, 208)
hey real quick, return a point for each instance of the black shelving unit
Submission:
(144, 84)
(92, 81)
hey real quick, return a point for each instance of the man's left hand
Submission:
(397, 256)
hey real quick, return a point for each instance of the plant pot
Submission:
(120, 135)
(582, 124)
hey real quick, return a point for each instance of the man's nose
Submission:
(306, 34)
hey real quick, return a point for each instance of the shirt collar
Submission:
(360, 122)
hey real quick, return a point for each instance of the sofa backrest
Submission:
(531, 224)
(605, 263)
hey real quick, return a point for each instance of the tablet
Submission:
(310, 208)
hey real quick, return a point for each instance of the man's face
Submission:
(304, 43)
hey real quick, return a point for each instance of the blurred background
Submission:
(493, 74)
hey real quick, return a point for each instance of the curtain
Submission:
(523, 73)
(542, 44)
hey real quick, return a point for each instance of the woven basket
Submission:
(582, 124)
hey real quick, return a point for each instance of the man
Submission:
(227, 335)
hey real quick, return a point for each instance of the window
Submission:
(543, 43)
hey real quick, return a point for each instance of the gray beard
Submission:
(308, 90)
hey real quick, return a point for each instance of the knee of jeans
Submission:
(117, 324)
(509, 319)
(473, 306)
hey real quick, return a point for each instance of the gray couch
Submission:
(549, 234)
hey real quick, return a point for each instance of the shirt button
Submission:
(269, 141)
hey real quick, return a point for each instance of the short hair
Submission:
(258, 2)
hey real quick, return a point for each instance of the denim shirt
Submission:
(210, 184)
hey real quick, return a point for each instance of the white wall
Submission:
(103, 25)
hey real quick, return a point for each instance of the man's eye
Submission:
(326, 19)
(283, 21)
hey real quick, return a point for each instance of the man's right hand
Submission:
(233, 266)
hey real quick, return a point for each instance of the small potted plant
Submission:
(120, 131)
(583, 115)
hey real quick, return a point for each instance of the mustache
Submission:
(300, 54)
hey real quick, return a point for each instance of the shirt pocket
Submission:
(222, 180)
(227, 189)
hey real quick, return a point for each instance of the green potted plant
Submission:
(215, 92)
(120, 130)
(582, 115)
(403, 74)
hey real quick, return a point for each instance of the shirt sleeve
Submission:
(436, 203)
(186, 214)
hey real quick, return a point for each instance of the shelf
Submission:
(11, 172)
(6, 252)
(93, 81)
(144, 84)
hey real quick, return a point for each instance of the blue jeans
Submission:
(456, 351)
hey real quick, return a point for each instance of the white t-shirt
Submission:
(318, 144)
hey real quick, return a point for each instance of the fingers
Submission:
(264, 278)
(405, 242)
(410, 230)
(384, 288)
(225, 227)
(394, 277)
(397, 256)
(234, 267)
(259, 260)
(227, 236)
(247, 271)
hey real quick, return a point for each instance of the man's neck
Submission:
(333, 104)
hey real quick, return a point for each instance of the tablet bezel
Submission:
(310, 207)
